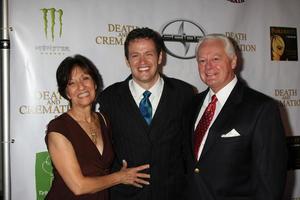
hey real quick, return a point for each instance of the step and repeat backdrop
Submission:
(44, 32)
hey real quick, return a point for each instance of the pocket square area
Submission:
(232, 133)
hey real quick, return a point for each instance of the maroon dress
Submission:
(91, 162)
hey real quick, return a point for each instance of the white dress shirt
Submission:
(156, 92)
(222, 96)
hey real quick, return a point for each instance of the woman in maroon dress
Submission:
(79, 140)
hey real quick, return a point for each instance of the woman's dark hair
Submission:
(144, 33)
(63, 73)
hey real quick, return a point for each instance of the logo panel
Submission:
(43, 174)
(51, 17)
(181, 37)
(283, 44)
(45, 102)
(52, 26)
(242, 41)
(116, 36)
(288, 97)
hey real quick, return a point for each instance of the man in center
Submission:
(146, 112)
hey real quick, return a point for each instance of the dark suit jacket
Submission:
(251, 166)
(159, 144)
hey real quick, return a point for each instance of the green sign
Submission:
(49, 18)
(43, 174)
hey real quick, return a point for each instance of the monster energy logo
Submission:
(52, 12)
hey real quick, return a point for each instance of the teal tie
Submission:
(145, 107)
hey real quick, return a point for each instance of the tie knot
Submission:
(147, 94)
(214, 99)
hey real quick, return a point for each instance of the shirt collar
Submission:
(224, 93)
(137, 90)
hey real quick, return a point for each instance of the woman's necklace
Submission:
(93, 134)
(90, 128)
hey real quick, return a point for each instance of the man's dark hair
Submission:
(144, 33)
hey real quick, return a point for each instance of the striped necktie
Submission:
(145, 107)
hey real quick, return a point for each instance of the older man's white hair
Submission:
(229, 47)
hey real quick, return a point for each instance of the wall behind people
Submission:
(45, 32)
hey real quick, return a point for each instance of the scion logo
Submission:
(181, 37)
(49, 18)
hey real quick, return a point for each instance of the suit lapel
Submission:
(132, 110)
(161, 110)
(222, 123)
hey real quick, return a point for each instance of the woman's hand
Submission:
(133, 176)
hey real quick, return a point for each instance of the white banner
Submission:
(45, 32)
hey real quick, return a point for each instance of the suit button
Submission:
(196, 170)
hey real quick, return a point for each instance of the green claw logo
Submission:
(43, 174)
(52, 12)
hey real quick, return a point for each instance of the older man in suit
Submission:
(146, 112)
(236, 149)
